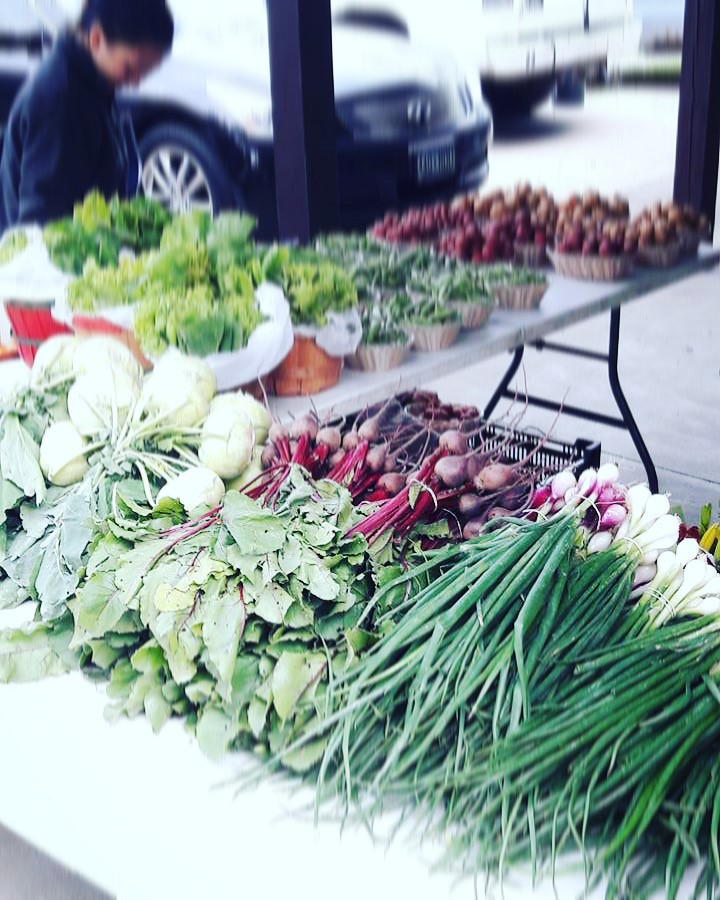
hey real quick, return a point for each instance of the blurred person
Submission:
(65, 135)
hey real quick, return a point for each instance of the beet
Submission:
(376, 458)
(351, 440)
(369, 431)
(452, 471)
(471, 505)
(277, 432)
(453, 441)
(473, 529)
(331, 437)
(494, 477)
(304, 426)
(392, 482)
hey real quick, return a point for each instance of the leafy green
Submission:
(12, 244)
(316, 289)
(99, 231)
(195, 322)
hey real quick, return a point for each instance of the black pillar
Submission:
(303, 98)
(698, 141)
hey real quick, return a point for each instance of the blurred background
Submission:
(431, 100)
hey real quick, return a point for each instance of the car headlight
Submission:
(241, 108)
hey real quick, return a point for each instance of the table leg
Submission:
(501, 390)
(622, 403)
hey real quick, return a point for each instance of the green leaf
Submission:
(148, 658)
(257, 715)
(97, 608)
(37, 651)
(303, 759)
(255, 530)
(293, 674)
(10, 496)
(321, 582)
(19, 459)
(215, 732)
(11, 596)
(224, 617)
(271, 603)
(157, 709)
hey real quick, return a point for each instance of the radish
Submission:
(337, 457)
(351, 440)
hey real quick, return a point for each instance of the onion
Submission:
(613, 516)
(562, 483)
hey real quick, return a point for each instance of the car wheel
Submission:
(181, 171)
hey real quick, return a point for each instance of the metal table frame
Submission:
(626, 421)
(566, 303)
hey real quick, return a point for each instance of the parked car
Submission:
(412, 127)
(520, 48)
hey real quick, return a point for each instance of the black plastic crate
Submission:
(549, 455)
(553, 456)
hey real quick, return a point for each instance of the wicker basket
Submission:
(32, 324)
(432, 338)
(94, 326)
(660, 257)
(306, 370)
(689, 243)
(531, 255)
(520, 296)
(378, 357)
(473, 315)
(592, 268)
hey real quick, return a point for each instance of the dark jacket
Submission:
(64, 138)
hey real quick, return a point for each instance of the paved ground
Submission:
(669, 348)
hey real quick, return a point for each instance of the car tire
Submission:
(181, 170)
(518, 98)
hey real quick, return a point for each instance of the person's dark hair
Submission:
(130, 21)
